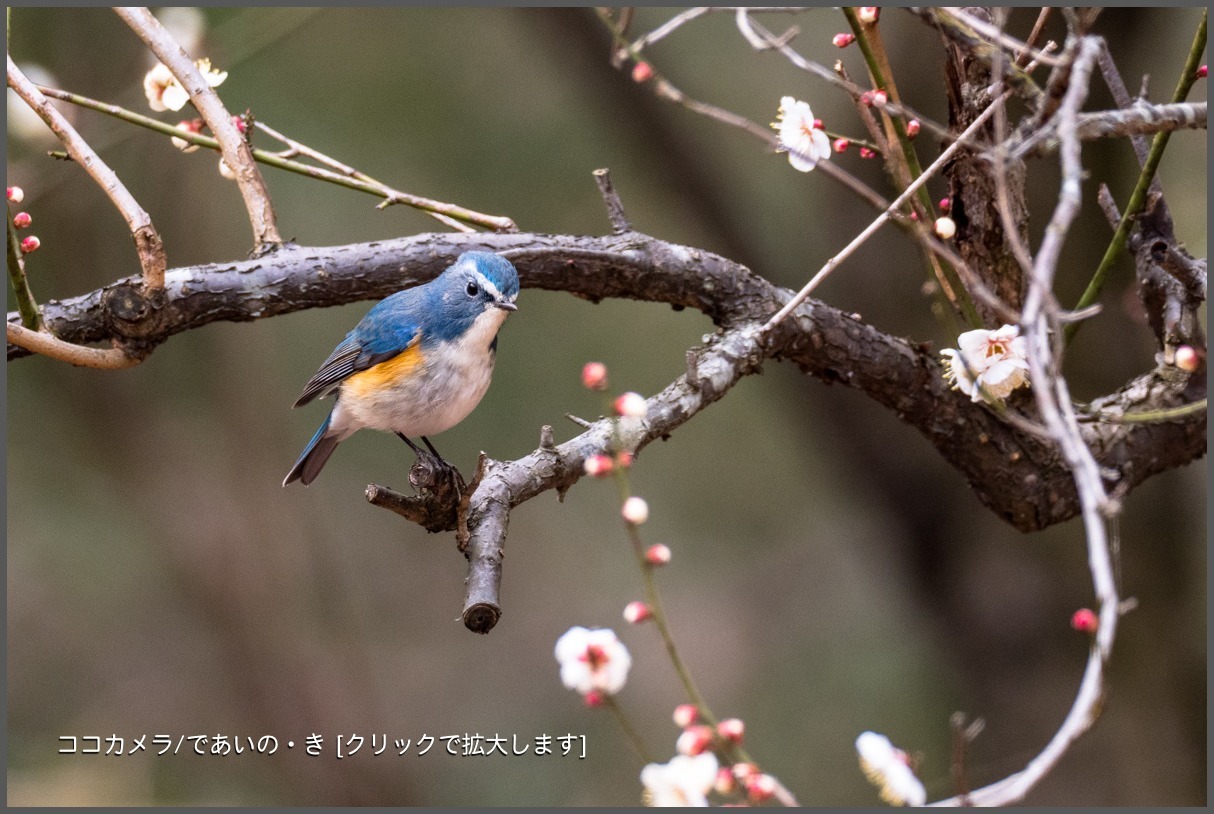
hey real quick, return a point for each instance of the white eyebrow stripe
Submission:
(489, 286)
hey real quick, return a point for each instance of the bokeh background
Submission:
(831, 573)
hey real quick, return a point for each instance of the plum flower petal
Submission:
(684, 781)
(888, 768)
(800, 135)
(164, 92)
(592, 660)
(992, 361)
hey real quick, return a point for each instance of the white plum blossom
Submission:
(995, 361)
(163, 90)
(684, 781)
(804, 141)
(592, 660)
(888, 768)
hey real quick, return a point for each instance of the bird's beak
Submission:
(505, 305)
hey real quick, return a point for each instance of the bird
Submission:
(417, 364)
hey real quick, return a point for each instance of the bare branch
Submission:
(48, 345)
(148, 245)
(1040, 327)
(611, 198)
(236, 151)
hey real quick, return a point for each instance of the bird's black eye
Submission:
(473, 289)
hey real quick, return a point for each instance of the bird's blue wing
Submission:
(383, 333)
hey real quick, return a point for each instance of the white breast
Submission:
(448, 384)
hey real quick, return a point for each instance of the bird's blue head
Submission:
(477, 290)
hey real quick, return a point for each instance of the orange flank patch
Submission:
(385, 374)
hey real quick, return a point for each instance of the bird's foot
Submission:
(434, 477)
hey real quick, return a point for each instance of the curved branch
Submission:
(148, 244)
(1016, 474)
(47, 345)
(236, 151)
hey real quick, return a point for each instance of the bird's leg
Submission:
(412, 446)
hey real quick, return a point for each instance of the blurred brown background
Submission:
(831, 573)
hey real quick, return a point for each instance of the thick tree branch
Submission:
(1013, 473)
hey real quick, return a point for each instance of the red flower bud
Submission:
(594, 376)
(1085, 621)
(685, 715)
(637, 612)
(658, 554)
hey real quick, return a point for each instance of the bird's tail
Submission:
(314, 456)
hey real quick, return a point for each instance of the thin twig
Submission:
(27, 306)
(237, 153)
(148, 245)
(611, 199)
(359, 181)
(1138, 198)
(49, 345)
(1142, 119)
(1026, 55)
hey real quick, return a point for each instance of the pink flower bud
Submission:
(817, 124)
(731, 729)
(631, 405)
(239, 121)
(914, 216)
(623, 459)
(16, 194)
(843, 39)
(880, 97)
(724, 784)
(598, 466)
(658, 554)
(642, 72)
(635, 510)
(945, 227)
(594, 698)
(867, 153)
(637, 612)
(594, 376)
(1202, 72)
(695, 740)
(868, 14)
(1187, 359)
(22, 220)
(840, 145)
(190, 126)
(761, 787)
(866, 98)
(1085, 621)
(745, 771)
(685, 715)
(30, 244)
(912, 128)
(945, 205)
